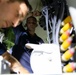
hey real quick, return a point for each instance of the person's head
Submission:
(31, 23)
(13, 11)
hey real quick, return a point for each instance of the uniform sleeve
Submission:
(18, 31)
(23, 40)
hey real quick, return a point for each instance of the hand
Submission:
(15, 65)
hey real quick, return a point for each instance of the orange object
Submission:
(66, 43)
(65, 28)
(69, 67)
(66, 20)
(64, 36)
(68, 54)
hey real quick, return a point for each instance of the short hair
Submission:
(25, 1)
(32, 18)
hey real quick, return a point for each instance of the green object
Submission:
(9, 38)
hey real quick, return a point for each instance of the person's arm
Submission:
(23, 39)
(18, 31)
(15, 65)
